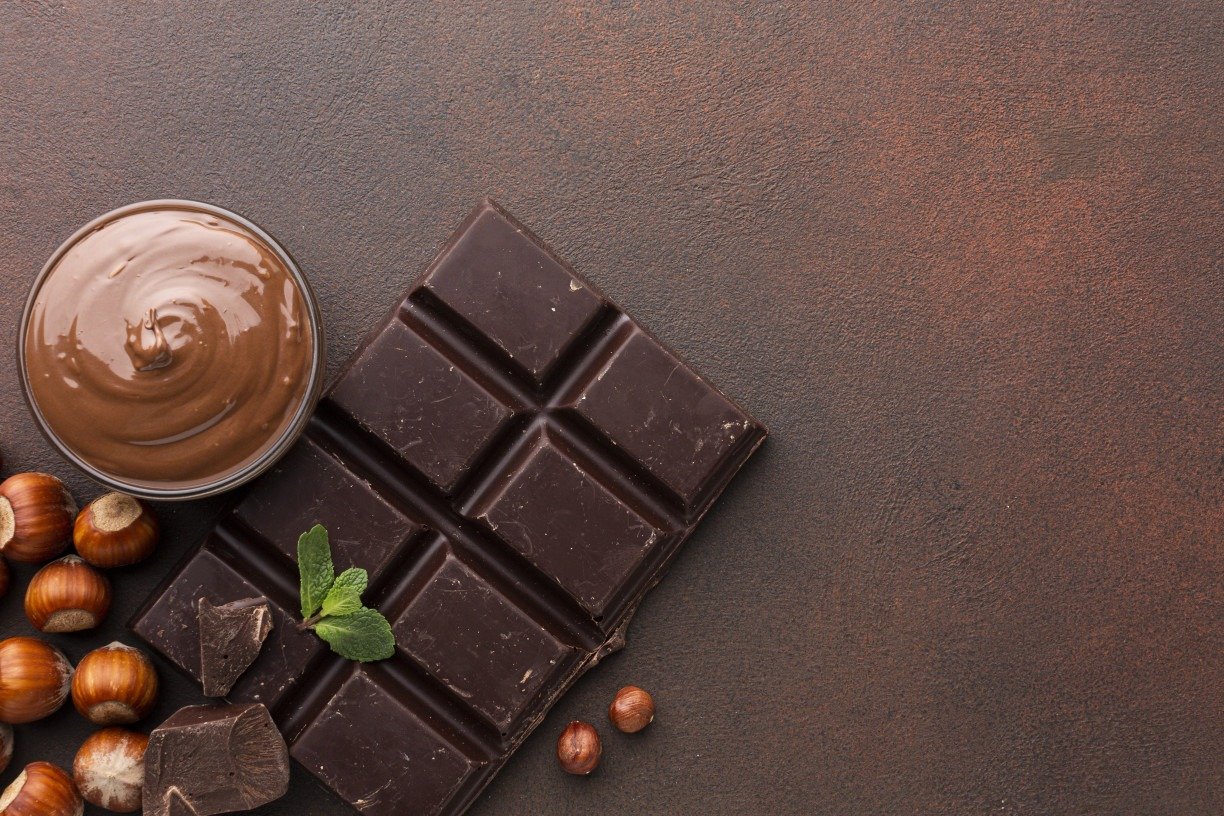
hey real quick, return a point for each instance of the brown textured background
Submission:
(964, 259)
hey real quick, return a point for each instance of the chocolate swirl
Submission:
(169, 347)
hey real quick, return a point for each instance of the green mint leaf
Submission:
(364, 636)
(344, 598)
(354, 578)
(315, 566)
(340, 602)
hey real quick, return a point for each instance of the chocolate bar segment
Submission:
(380, 755)
(663, 415)
(171, 623)
(406, 392)
(365, 529)
(507, 656)
(532, 512)
(512, 290)
(515, 461)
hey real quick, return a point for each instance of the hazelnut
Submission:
(67, 595)
(579, 748)
(632, 709)
(41, 789)
(109, 769)
(34, 679)
(114, 685)
(115, 530)
(6, 745)
(36, 513)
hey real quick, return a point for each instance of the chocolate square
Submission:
(533, 511)
(663, 415)
(409, 394)
(503, 280)
(172, 623)
(365, 529)
(506, 658)
(379, 755)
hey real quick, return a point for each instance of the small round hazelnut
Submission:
(114, 685)
(632, 709)
(67, 595)
(41, 789)
(579, 748)
(115, 530)
(109, 769)
(6, 745)
(36, 513)
(34, 679)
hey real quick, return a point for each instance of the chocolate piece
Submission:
(515, 461)
(176, 805)
(231, 636)
(218, 759)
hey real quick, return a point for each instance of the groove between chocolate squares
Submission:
(304, 703)
(578, 366)
(256, 559)
(371, 459)
(486, 362)
(450, 715)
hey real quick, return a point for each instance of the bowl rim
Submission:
(256, 466)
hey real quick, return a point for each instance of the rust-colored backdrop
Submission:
(964, 259)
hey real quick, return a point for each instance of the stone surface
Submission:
(961, 258)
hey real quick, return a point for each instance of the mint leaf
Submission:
(339, 602)
(364, 636)
(354, 578)
(344, 598)
(315, 566)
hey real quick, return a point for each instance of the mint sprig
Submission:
(332, 607)
(315, 566)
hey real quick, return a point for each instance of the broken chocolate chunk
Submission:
(215, 759)
(176, 805)
(231, 636)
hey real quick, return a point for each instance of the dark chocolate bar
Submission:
(515, 461)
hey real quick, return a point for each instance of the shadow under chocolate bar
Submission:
(514, 460)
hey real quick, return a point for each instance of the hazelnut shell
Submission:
(109, 769)
(115, 530)
(36, 516)
(114, 685)
(42, 789)
(34, 679)
(67, 595)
